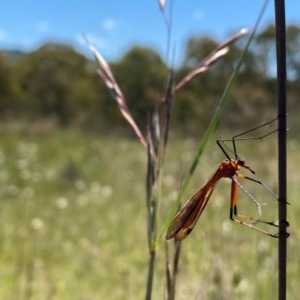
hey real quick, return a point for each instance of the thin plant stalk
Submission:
(172, 269)
(168, 22)
(282, 169)
(151, 197)
(157, 138)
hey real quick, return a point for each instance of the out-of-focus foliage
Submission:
(57, 83)
(8, 88)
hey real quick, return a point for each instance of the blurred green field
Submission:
(73, 221)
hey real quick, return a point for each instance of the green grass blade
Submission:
(211, 128)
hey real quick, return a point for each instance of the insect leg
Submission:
(239, 137)
(239, 218)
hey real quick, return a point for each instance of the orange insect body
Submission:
(187, 217)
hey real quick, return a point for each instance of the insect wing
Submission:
(187, 217)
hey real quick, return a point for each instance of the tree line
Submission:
(57, 83)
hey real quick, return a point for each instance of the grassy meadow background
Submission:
(73, 220)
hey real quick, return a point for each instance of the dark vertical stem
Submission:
(282, 180)
(175, 270)
(149, 286)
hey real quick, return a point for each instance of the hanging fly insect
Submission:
(187, 217)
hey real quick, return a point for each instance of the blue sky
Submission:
(114, 26)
